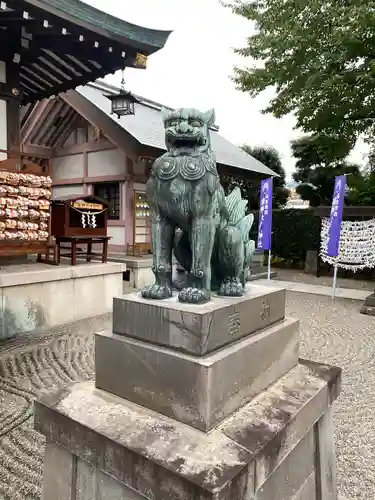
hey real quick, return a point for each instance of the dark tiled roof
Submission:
(152, 40)
(70, 43)
(146, 127)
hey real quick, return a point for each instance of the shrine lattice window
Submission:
(110, 192)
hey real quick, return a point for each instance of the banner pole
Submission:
(334, 284)
(269, 267)
(265, 220)
(334, 229)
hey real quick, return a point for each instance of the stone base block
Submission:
(368, 310)
(199, 329)
(198, 391)
(277, 447)
(40, 296)
(311, 262)
(257, 259)
(370, 300)
(368, 307)
(67, 477)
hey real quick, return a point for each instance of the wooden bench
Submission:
(82, 240)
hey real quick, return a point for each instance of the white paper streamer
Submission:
(88, 219)
(357, 245)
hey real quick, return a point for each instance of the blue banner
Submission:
(265, 215)
(334, 230)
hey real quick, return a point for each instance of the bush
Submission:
(293, 233)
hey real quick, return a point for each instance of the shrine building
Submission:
(49, 47)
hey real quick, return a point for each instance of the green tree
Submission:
(370, 165)
(319, 57)
(249, 188)
(319, 159)
(272, 159)
(362, 190)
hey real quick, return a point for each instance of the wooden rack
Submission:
(18, 245)
(141, 244)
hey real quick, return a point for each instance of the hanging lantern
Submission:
(122, 103)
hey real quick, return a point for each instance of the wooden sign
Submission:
(83, 205)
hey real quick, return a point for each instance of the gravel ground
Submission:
(300, 277)
(335, 333)
(330, 332)
(28, 368)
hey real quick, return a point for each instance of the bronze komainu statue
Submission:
(208, 232)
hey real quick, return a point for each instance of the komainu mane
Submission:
(208, 232)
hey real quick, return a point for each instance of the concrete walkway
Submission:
(341, 293)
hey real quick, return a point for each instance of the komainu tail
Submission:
(236, 210)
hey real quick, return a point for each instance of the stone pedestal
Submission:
(311, 262)
(257, 259)
(198, 329)
(197, 391)
(191, 404)
(368, 307)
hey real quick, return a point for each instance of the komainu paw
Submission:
(157, 292)
(194, 295)
(231, 287)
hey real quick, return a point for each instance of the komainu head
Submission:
(187, 128)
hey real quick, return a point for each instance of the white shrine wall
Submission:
(68, 176)
(68, 191)
(117, 233)
(68, 167)
(106, 164)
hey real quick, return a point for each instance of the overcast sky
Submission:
(194, 68)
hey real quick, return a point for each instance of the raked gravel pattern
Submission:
(331, 332)
(27, 370)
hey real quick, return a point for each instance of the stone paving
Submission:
(300, 287)
(332, 332)
(298, 276)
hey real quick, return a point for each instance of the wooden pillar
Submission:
(85, 173)
(3, 114)
(13, 107)
(10, 137)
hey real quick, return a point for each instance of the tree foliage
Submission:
(370, 165)
(250, 188)
(294, 232)
(272, 159)
(319, 57)
(362, 190)
(319, 159)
